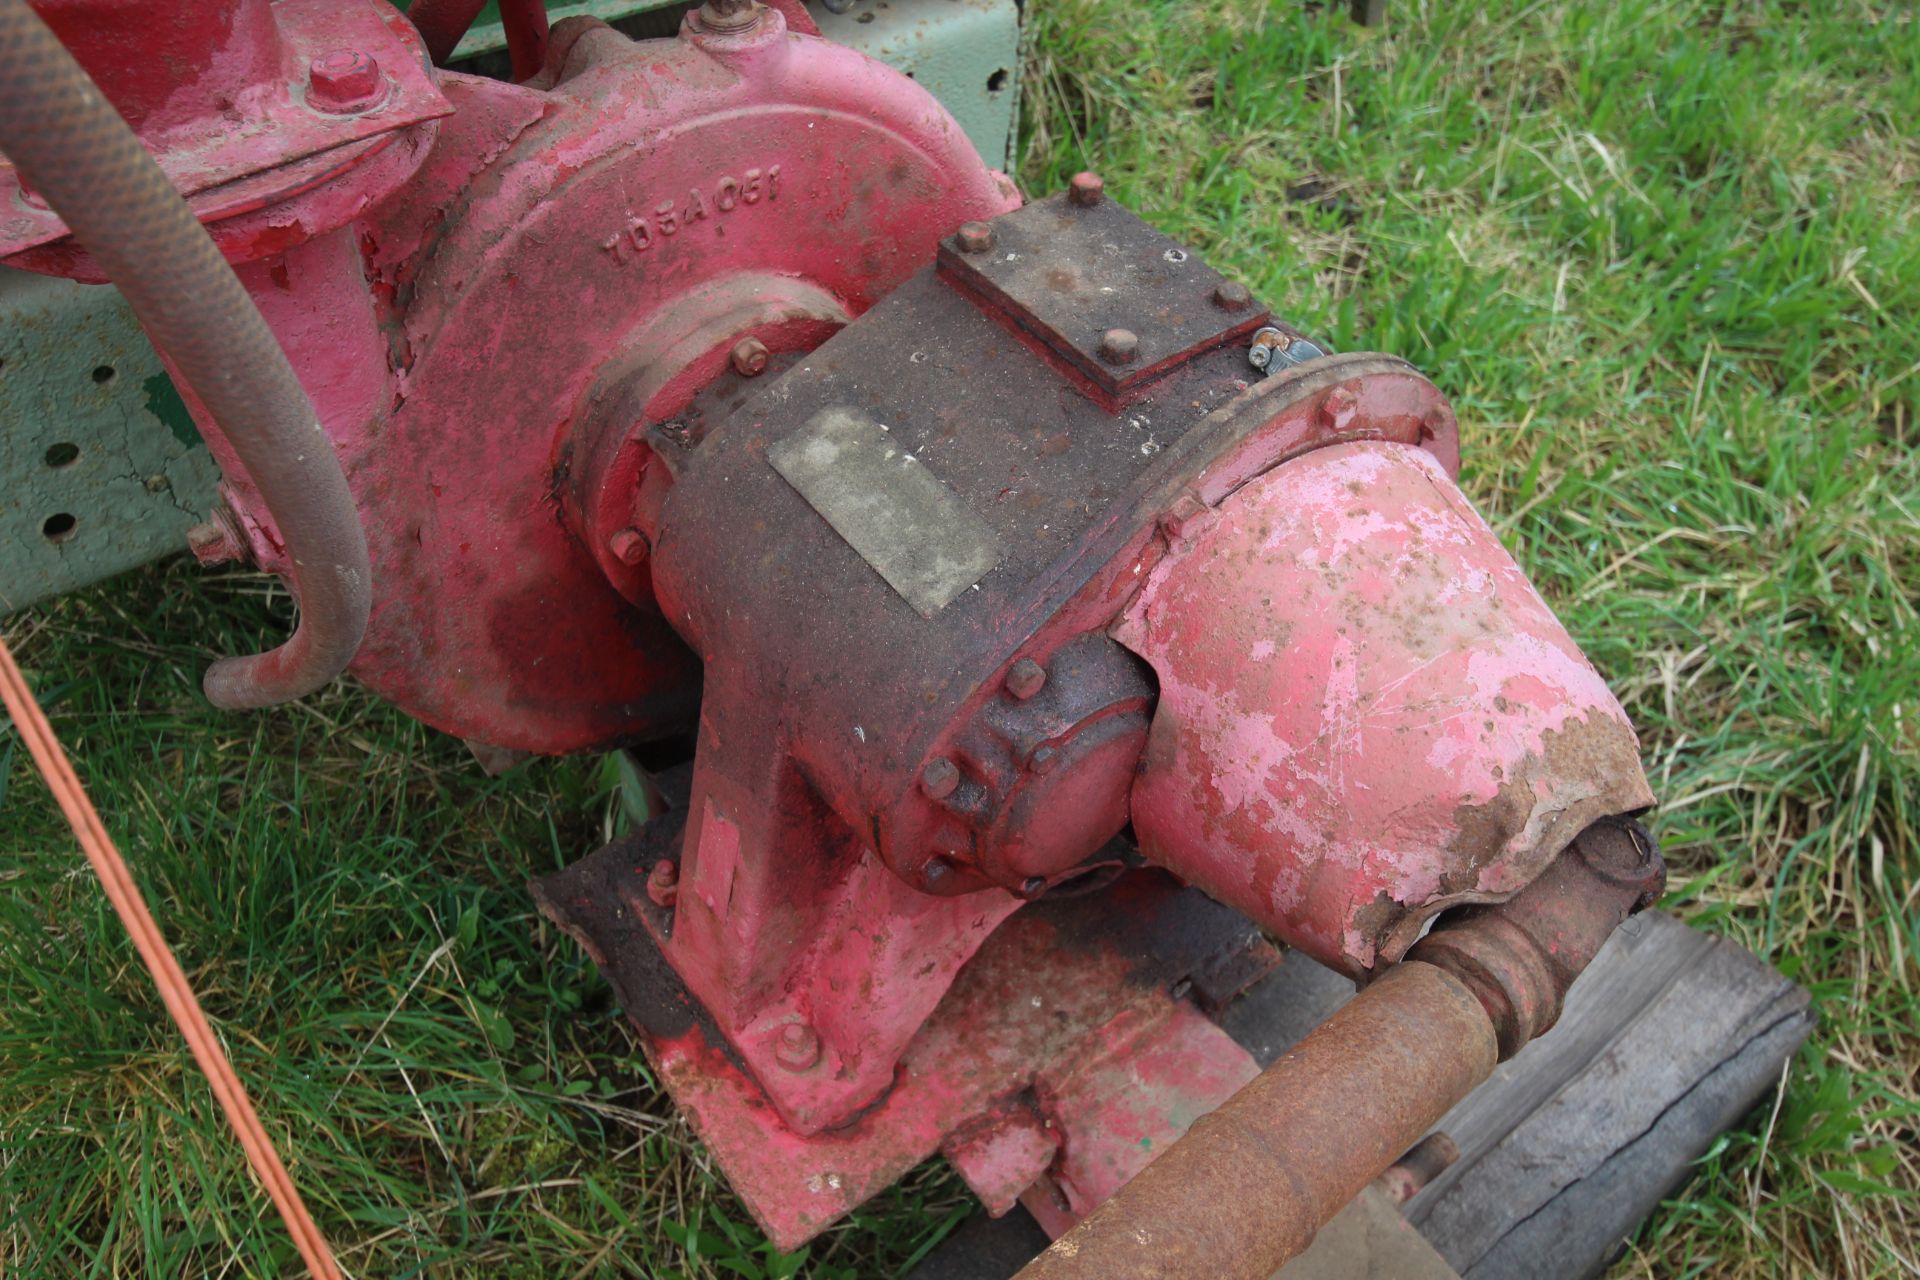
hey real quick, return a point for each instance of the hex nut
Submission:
(1085, 189)
(663, 883)
(798, 1046)
(1181, 516)
(939, 778)
(629, 546)
(1119, 346)
(1231, 295)
(730, 15)
(974, 237)
(344, 80)
(213, 543)
(1026, 678)
(1338, 409)
(749, 357)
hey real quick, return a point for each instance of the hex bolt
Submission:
(1033, 886)
(1231, 295)
(939, 778)
(934, 872)
(1026, 678)
(344, 80)
(974, 237)
(730, 15)
(798, 1046)
(1119, 346)
(1338, 408)
(1043, 759)
(1086, 189)
(663, 882)
(629, 546)
(749, 357)
(212, 544)
(1186, 509)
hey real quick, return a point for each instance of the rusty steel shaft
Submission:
(1248, 1186)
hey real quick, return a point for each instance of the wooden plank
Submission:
(1671, 1037)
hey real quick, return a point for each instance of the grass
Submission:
(1663, 257)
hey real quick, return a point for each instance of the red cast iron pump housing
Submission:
(1042, 655)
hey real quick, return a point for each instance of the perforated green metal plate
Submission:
(100, 466)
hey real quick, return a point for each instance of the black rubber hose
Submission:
(73, 148)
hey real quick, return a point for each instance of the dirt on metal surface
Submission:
(1367, 714)
(1522, 955)
(1250, 1185)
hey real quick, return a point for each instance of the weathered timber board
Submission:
(1672, 1038)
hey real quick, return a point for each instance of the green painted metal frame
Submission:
(100, 466)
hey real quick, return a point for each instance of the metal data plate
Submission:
(913, 530)
(1067, 274)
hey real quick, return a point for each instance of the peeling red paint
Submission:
(1366, 713)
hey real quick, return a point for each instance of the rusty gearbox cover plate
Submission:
(1065, 275)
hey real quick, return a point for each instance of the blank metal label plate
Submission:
(913, 530)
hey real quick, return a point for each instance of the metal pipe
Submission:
(1249, 1185)
(69, 143)
(441, 23)
(525, 25)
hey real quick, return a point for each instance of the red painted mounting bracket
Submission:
(1069, 1050)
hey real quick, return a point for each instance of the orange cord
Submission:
(166, 971)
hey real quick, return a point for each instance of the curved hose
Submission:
(70, 144)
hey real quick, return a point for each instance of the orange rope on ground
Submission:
(166, 971)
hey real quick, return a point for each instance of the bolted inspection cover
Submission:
(1073, 275)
